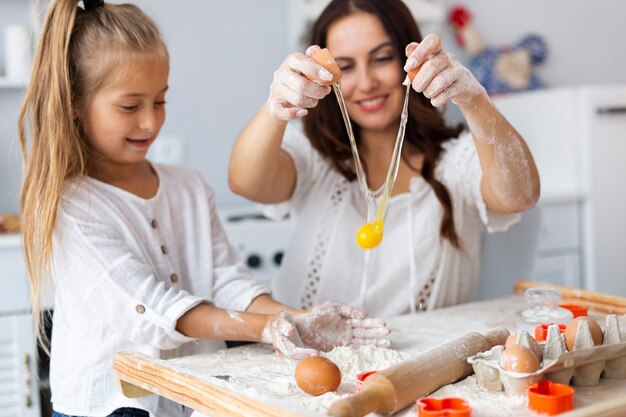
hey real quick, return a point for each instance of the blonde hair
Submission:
(78, 53)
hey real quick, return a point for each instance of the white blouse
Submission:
(126, 268)
(412, 268)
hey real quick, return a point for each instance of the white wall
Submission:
(224, 53)
(584, 37)
(223, 56)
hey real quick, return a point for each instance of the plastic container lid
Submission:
(541, 331)
(550, 398)
(443, 407)
(577, 311)
(361, 377)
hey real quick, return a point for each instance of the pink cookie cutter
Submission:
(443, 407)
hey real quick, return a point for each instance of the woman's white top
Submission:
(126, 268)
(413, 267)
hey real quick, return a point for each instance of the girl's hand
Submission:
(333, 324)
(281, 332)
(442, 77)
(293, 91)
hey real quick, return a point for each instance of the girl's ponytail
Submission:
(53, 152)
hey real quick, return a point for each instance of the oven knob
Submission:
(278, 258)
(254, 261)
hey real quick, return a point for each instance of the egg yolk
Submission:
(370, 235)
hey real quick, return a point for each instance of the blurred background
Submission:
(223, 55)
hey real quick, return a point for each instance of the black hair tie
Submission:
(92, 4)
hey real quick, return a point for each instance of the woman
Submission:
(450, 182)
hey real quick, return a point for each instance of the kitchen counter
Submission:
(10, 240)
(244, 380)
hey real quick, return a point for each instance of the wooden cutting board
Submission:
(141, 375)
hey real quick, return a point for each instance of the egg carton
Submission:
(583, 366)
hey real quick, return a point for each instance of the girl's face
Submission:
(372, 81)
(125, 117)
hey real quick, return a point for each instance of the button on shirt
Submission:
(126, 269)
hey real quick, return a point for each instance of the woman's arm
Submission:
(510, 179)
(259, 169)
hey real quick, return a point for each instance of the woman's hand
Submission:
(293, 91)
(442, 77)
(281, 332)
(333, 324)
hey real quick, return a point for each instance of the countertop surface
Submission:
(254, 371)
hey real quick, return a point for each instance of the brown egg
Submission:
(526, 340)
(518, 358)
(572, 329)
(317, 375)
(511, 340)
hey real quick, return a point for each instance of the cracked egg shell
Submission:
(518, 358)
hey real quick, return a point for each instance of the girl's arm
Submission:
(322, 328)
(510, 179)
(259, 169)
(205, 321)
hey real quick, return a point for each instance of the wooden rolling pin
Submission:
(394, 388)
(592, 300)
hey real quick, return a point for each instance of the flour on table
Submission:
(353, 361)
(256, 372)
(486, 403)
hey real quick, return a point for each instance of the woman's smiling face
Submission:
(372, 74)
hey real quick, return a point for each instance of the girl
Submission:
(138, 256)
(449, 182)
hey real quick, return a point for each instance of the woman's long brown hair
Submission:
(426, 130)
(78, 53)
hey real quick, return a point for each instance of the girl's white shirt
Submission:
(114, 258)
(412, 265)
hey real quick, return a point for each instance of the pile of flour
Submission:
(257, 372)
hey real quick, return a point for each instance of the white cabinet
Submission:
(14, 298)
(578, 138)
(19, 388)
(19, 392)
(560, 252)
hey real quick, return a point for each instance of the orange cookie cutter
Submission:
(541, 331)
(361, 377)
(577, 311)
(550, 398)
(443, 407)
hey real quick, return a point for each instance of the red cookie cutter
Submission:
(361, 377)
(443, 407)
(577, 311)
(541, 331)
(550, 398)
